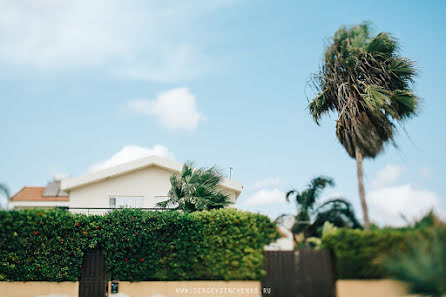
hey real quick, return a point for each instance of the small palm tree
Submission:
(309, 220)
(5, 191)
(306, 200)
(338, 212)
(368, 84)
(196, 190)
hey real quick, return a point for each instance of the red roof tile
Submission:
(35, 194)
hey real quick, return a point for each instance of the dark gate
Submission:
(93, 282)
(302, 273)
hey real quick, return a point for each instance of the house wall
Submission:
(148, 183)
(37, 204)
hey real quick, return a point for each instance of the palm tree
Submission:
(338, 212)
(196, 190)
(368, 84)
(5, 191)
(306, 200)
(310, 221)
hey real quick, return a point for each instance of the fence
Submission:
(302, 273)
(103, 211)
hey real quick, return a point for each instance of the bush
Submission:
(43, 245)
(151, 245)
(233, 244)
(359, 253)
(423, 264)
(220, 245)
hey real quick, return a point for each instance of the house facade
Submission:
(50, 196)
(137, 184)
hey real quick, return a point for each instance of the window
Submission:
(112, 203)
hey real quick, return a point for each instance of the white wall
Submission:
(149, 182)
(37, 204)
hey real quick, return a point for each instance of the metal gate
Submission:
(93, 282)
(302, 273)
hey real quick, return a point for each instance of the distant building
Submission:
(137, 184)
(50, 196)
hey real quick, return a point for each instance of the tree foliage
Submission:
(196, 190)
(422, 265)
(366, 81)
(4, 190)
(309, 220)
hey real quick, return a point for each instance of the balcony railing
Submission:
(102, 211)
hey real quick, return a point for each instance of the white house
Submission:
(137, 184)
(40, 197)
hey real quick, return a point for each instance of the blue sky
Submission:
(217, 82)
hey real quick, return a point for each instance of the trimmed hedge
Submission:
(359, 253)
(233, 244)
(217, 245)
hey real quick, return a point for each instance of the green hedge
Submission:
(233, 244)
(220, 245)
(359, 253)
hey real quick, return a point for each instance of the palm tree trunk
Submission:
(361, 189)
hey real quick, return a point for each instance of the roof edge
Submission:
(21, 189)
(71, 183)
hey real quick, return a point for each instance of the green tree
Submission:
(338, 212)
(368, 84)
(4, 190)
(196, 190)
(309, 220)
(422, 265)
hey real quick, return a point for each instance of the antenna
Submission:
(230, 172)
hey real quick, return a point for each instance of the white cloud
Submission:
(387, 176)
(60, 176)
(389, 203)
(267, 182)
(176, 109)
(130, 153)
(152, 40)
(264, 197)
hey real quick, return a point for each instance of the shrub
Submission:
(359, 253)
(423, 264)
(219, 245)
(43, 245)
(233, 244)
(151, 245)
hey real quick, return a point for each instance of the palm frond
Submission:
(196, 189)
(5, 190)
(383, 45)
(366, 81)
(318, 107)
(291, 193)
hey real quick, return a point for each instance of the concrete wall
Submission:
(345, 288)
(148, 183)
(39, 289)
(188, 288)
(371, 288)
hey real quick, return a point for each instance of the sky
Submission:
(87, 84)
